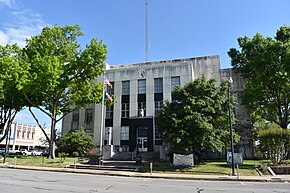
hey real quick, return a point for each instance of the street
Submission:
(27, 181)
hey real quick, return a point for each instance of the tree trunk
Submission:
(52, 138)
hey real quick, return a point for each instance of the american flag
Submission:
(107, 96)
(107, 82)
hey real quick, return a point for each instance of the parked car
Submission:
(25, 152)
(36, 152)
(2, 151)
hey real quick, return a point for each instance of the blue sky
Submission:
(177, 28)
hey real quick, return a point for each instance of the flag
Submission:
(107, 96)
(107, 82)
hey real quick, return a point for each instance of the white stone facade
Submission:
(22, 136)
(150, 84)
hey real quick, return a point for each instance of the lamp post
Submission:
(230, 81)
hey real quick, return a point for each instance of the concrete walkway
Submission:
(105, 170)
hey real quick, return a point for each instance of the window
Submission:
(125, 87)
(124, 133)
(174, 82)
(28, 135)
(23, 134)
(158, 107)
(142, 109)
(33, 134)
(109, 112)
(18, 133)
(141, 86)
(89, 115)
(158, 135)
(110, 90)
(158, 85)
(125, 110)
(75, 116)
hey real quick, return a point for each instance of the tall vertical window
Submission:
(158, 107)
(174, 82)
(89, 115)
(75, 116)
(158, 85)
(141, 86)
(109, 112)
(126, 87)
(125, 110)
(142, 109)
(124, 133)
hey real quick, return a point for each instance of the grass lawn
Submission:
(210, 168)
(41, 161)
(207, 167)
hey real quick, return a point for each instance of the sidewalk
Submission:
(103, 171)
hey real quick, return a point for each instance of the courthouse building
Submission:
(140, 90)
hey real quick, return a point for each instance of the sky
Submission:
(177, 28)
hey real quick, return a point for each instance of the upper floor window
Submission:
(158, 107)
(125, 87)
(109, 112)
(124, 133)
(75, 116)
(158, 85)
(141, 86)
(125, 110)
(174, 82)
(89, 115)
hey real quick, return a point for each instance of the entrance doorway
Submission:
(142, 139)
(142, 144)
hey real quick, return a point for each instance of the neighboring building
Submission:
(22, 136)
(140, 90)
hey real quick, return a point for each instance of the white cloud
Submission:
(24, 24)
(4, 39)
(9, 3)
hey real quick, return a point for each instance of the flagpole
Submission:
(102, 117)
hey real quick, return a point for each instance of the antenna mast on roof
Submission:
(146, 31)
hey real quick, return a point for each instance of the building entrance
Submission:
(142, 144)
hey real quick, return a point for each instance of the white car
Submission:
(36, 152)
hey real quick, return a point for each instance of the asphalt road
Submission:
(27, 181)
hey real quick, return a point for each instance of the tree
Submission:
(13, 72)
(198, 119)
(77, 141)
(62, 77)
(273, 141)
(264, 63)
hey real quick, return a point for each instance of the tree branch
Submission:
(37, 121)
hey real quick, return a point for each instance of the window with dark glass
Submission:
(75, 116)
(125, 87)
(125, 110)
(89, 115)
(158, 107)
(109, 112)
(158, 85)
(174, 82)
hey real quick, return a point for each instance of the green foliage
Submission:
(198, 119)
(62, 156)
(274, 142)
(13, 74)
(62, 76)
(264, 63)
(77, 141)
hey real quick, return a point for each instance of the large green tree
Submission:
(13, 72)
(264, 63)
(62, 76)
(198, 119)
